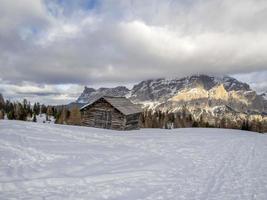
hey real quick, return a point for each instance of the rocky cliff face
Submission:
(197, 91)
(162, 89)
(241, 101)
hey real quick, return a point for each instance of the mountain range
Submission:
(197, 90)
(205, 97)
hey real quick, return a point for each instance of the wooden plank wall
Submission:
(93, 116)
(132, 121)
(98, 115)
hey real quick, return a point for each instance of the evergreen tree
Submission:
(2, 114)
(36, 108)
(43, 109)
(195, 124)
(259, 126)
(201, 121)
(29, 110)
(11, 115)
(20, 112)
(25, 104)
(34, 118)
(223, 123)
(245, 125)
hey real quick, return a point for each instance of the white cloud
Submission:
(257, 80)
(48, 94)
(122, 41)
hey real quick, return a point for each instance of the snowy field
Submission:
(45, 161)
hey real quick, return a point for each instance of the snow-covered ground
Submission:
(42, 118)
(46, 161)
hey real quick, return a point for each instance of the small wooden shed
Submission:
(109, 112)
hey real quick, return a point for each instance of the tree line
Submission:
(182, 119)
(25, 111)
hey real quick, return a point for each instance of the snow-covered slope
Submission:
(42, 118)
(44, 161)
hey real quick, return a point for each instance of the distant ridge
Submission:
(216, 90)
(216, 101)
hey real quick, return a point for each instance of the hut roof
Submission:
(124, 105)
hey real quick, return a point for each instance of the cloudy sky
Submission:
(50, 49)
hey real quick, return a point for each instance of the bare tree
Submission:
(75, 116)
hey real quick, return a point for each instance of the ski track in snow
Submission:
(45, 161)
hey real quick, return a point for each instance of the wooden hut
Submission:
(117, 113)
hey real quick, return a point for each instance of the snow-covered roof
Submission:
(124, 105)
